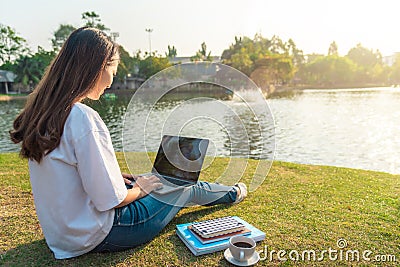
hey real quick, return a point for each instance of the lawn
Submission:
(7, 97)
(299, 207)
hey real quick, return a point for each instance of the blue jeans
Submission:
(140, 221)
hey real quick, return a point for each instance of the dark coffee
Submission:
(242, 245)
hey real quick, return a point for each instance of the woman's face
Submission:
(105, 80)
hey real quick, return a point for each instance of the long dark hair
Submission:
(68, 79)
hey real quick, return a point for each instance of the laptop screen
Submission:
(180, 157)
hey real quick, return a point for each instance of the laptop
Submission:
(178, 162)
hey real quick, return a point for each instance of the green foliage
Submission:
(266, 61)
(61, 35)
(273, 61)
(151, 65)
(140, 65)
(370, 65)
(395, 71)
(125, 65)
(201, 54)
(92, 19)
(359, 67)
(364, 57)
(297, 54)
(329, 70)
(242, 61)
(272, 69)
(171, 52)
(11, 44)
(30, 68)
(333, 49)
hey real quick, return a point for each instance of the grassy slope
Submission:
(299, 207)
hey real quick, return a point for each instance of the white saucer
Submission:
(253, 260)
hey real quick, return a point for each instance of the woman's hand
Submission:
(143, 186)
(128, 178)
(147, 184)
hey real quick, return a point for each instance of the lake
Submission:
(355, 128)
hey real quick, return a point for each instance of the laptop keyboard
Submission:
(169, 179)
(176, 181)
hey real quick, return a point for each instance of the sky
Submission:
(312, 24)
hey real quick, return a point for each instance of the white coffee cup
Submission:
(242, 248)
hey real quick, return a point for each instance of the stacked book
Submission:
(213, 235)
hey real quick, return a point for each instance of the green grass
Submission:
(299, 207)
(13, 94)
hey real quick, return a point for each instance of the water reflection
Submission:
(112, 111)
(351, 128)
(8, 112)
(250, 135)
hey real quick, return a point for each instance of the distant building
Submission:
(6, 81)
(178, 60)
(133, 82)
(389, 60)
(128, 83)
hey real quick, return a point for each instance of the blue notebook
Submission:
(198, 248)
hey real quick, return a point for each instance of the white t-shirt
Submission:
(77, 185)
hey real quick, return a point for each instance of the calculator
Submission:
(217, 227)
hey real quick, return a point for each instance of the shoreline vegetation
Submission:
(265, 60)
(299, 207)
(277, 90)
(292, 89)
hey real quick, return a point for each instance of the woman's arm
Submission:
(143, 186)
(133, 194)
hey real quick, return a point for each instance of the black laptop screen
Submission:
(180, 157)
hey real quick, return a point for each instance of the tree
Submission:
(266, 61)
(370, 65)
(241, 61)
(152, 64)
(364, 57)
(297, 54)
(171, 52)
(330, 70)
(235, 47)
(92, 19)
(274, 45)
(202, 54)
(149, 65)
(61, 35)
(126, 65)
(333, 49)
(395, 71)
(30, 68)
(11, 44)
(273, 69)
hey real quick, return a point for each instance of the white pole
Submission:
(149, 31)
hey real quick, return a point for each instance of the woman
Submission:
(80, 196)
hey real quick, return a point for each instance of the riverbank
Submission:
(12, 97)
(288, 91)
(330, 86)
(278, 90)
(299, 207)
